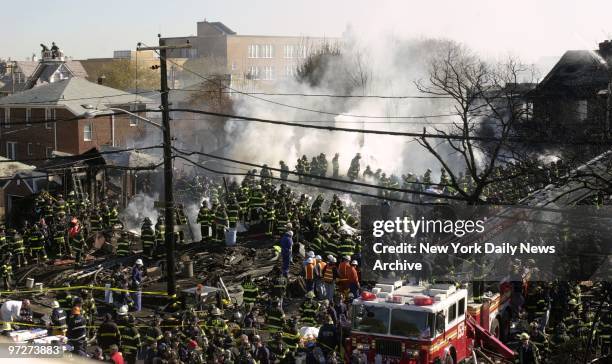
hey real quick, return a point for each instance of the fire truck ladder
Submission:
(483, 338)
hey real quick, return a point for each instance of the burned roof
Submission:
(91, 157)
(129, 159)
(9, 168)
(578, 74)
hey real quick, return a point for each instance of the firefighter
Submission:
(353, 171)
(59, 209)
(309, 309)
(77, 332)
(37, 244)
(257, 203)
(15, 242)
(7, 272)
(154, 333)
(346, 246)
(130, 339)
(58, 320)
(221, 224)
(77, 242)
(284, 174)
(203, 220)
(279, 286)
(88, 307)
(250, 290)
(136, 283)
(123, 245)
(65, 300)
(113, 215)
(147, 234)
(233, 211)
(59, 240)
(217, 324)
(527, 353)
(270, 216)
(277, 347)
(108, 334)
(335, 165)
(605, 329)
(344, 270)
(291, 338)
(275, 318)
(328, 336)
(160, 232)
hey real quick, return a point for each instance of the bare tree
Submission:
(480, 93)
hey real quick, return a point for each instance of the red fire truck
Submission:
(414, 324)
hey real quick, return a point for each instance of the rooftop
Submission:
(72, 93)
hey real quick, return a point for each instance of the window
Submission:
(452, 313)
(266, 51)
(87, 132)
(28, 116)
(461, 307)
(290, 70)
(416, 324)
(19, 77)
(49, 152)
(7, 117)
(11, 150)
(253, 73)
(371, 319)
(268, 73)
(528, 110)
(253, 50)
(30, 149)
(288, 51)
(50, 114)
(582, 110)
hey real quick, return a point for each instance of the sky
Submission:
(529, 29)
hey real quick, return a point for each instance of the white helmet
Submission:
(354, 262)
(331, 258)
(309, 260)
(311, 254)
(318, 257)
(347, 257)
(123, 310)
(290, 233)
(55, 304)
(138, 261)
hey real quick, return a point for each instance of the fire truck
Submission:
(416, 324)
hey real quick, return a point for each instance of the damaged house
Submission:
(571, 102)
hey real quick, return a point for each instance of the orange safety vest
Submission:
(309, 271)
(328, 274)
(343, 270)
(320, 266)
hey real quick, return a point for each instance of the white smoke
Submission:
(391, 67)
(139, 207)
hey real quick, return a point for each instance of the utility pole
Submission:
(169, 239)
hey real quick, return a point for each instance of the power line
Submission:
(382, 132)
(297, 107)
(316, 95)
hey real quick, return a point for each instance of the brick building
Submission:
(26, 130)
(251, 60)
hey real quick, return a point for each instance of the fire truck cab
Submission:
(415, 324)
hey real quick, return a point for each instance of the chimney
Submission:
(605, 49)
(101, 79)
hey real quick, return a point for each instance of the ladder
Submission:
(77, 185)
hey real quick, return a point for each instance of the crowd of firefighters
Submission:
(265, 327)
